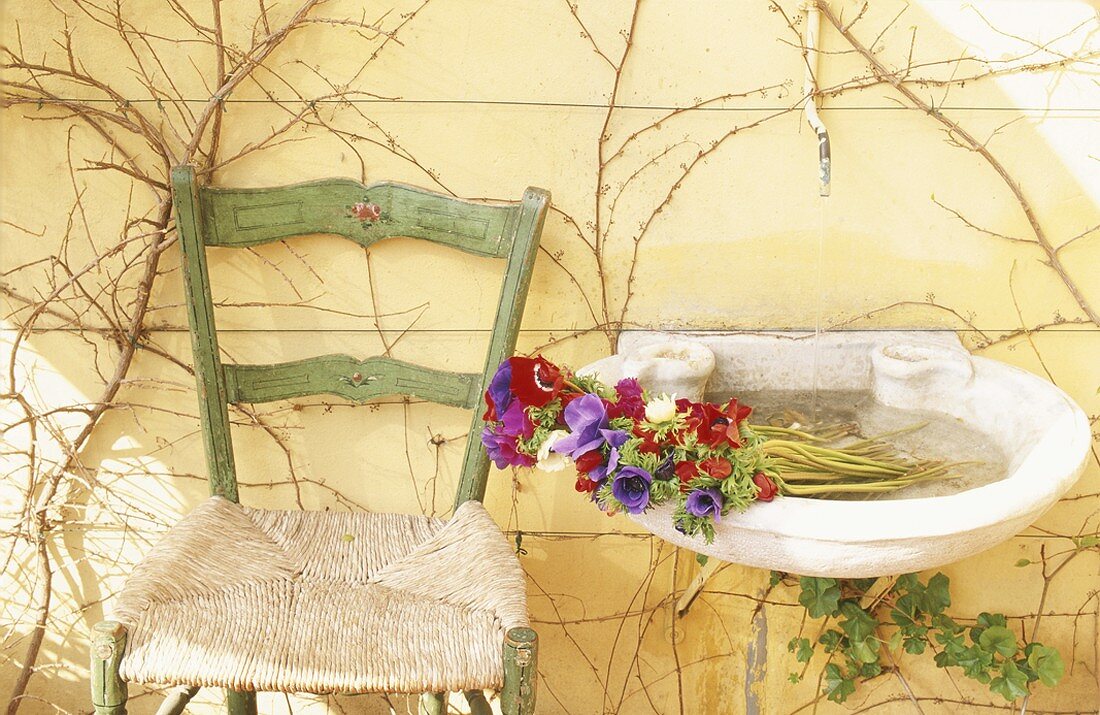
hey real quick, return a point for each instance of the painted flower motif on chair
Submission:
(366, 212)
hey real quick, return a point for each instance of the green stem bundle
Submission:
(808, 466)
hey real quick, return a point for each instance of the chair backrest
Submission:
(210, 216)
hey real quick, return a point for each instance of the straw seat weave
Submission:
(300, 601)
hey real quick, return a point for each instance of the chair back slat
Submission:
(208, 216)
(350, 378)
(364, 214)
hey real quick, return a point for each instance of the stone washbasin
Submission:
(1024, 441)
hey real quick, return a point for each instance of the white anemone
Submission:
(549, 461)
(661, 409)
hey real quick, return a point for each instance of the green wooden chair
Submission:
(259, 600)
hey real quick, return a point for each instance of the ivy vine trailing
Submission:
(910, 616)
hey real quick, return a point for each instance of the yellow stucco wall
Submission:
(483, 99)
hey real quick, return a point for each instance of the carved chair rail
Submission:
(350, 378)
(364, 214)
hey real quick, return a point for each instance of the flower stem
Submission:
(572, 386)
(833, 458)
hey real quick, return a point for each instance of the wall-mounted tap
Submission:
(810, 88)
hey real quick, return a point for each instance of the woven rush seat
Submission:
(323, 602)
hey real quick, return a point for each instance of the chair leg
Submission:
(478, 704)
(432, 704)
(240, 702)
(109, 690)
(521, 656)
(177, 699)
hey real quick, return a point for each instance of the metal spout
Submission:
(810, 89)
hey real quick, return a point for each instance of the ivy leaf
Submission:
(945, 623)
(902, 619)
(937, 595)
(986, 620)
(830, 639)
(837, 687)
(910, 605)
(998, 639)
(820, 596)
(864, 651)
(805, 649)
(895, 641)
(701, 559)
(1047, 664)
(870, 670)
(1011, 683)
(914, 646)
(974, 661)
(1023, 562)
(950, 639)
(905, 582)
(857, 623)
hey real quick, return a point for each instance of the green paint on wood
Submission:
(353, 379)
(521, 659)
(175, 702)
(213, 413)
(247, 217)
(109, 690)
(240, 702)
(524, 243)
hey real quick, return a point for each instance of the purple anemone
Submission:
(706, 502)
(499, 395)
(503, 450)
(631, 487)
(586, 418)
(614, 440)
(516, 423)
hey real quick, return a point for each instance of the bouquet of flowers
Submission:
(633, 450)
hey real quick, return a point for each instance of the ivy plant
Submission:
(911, 617)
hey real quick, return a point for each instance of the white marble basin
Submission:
(1030, 428)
